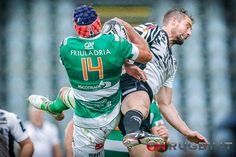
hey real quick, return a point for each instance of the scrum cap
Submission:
(86, 21)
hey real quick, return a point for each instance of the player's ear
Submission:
(173, 21)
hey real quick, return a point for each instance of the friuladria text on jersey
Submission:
(90, 52)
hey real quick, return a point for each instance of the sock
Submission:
(132, 121)
(57, 106)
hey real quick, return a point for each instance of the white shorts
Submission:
(89, 142)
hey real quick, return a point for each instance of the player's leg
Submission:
(63, 102)
(141, 151)
(69, 138)
(135, 107)
(90, 142)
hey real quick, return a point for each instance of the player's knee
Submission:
(143, 108)
(63, 92)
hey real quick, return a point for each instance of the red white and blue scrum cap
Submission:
(86, 21)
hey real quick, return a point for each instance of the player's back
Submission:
(94, 67)
(90, 61)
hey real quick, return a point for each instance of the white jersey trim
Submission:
(97, 122)
(95, 95)
(135, 52)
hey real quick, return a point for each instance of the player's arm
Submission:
(135, 71)
(162, 131)
(170, 113)
(19, 133)
(27, 148)
(145, 54)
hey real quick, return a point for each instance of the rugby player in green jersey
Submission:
(93, 62)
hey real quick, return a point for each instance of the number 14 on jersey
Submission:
(88, 67)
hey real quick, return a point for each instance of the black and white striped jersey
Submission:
(162, 68)
(11, 129)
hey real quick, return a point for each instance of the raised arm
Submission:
(145, 54)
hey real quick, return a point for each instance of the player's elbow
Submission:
(163, 105)
(144, 56)
(148, 56)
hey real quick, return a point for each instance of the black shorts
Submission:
(128, 84)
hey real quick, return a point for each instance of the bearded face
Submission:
(182, 31)
(179, 40)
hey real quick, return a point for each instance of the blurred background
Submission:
(205, 86)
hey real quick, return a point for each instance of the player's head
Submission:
(86, 21)
(179, 23)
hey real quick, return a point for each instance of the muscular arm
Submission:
(27, 148)
(145, 54)
(170, 113)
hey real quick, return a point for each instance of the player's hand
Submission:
(194, 136)
(135, 72)
(122, 22)
(127, 26)
(161, 131)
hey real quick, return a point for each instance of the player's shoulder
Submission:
(148, 26)
(8, 118)
(155, 33)
(162, 38)
(68, 40)
(7, 114)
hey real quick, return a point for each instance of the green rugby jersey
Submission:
(94, 67)
(155, 115)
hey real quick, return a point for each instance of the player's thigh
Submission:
(141, 151)
(90, 142)
(138, 100)
(68, 138)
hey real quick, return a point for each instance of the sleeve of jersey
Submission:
(17, 128)
(63, 51)
(125, 49)
(169, 82)
(157, 115)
